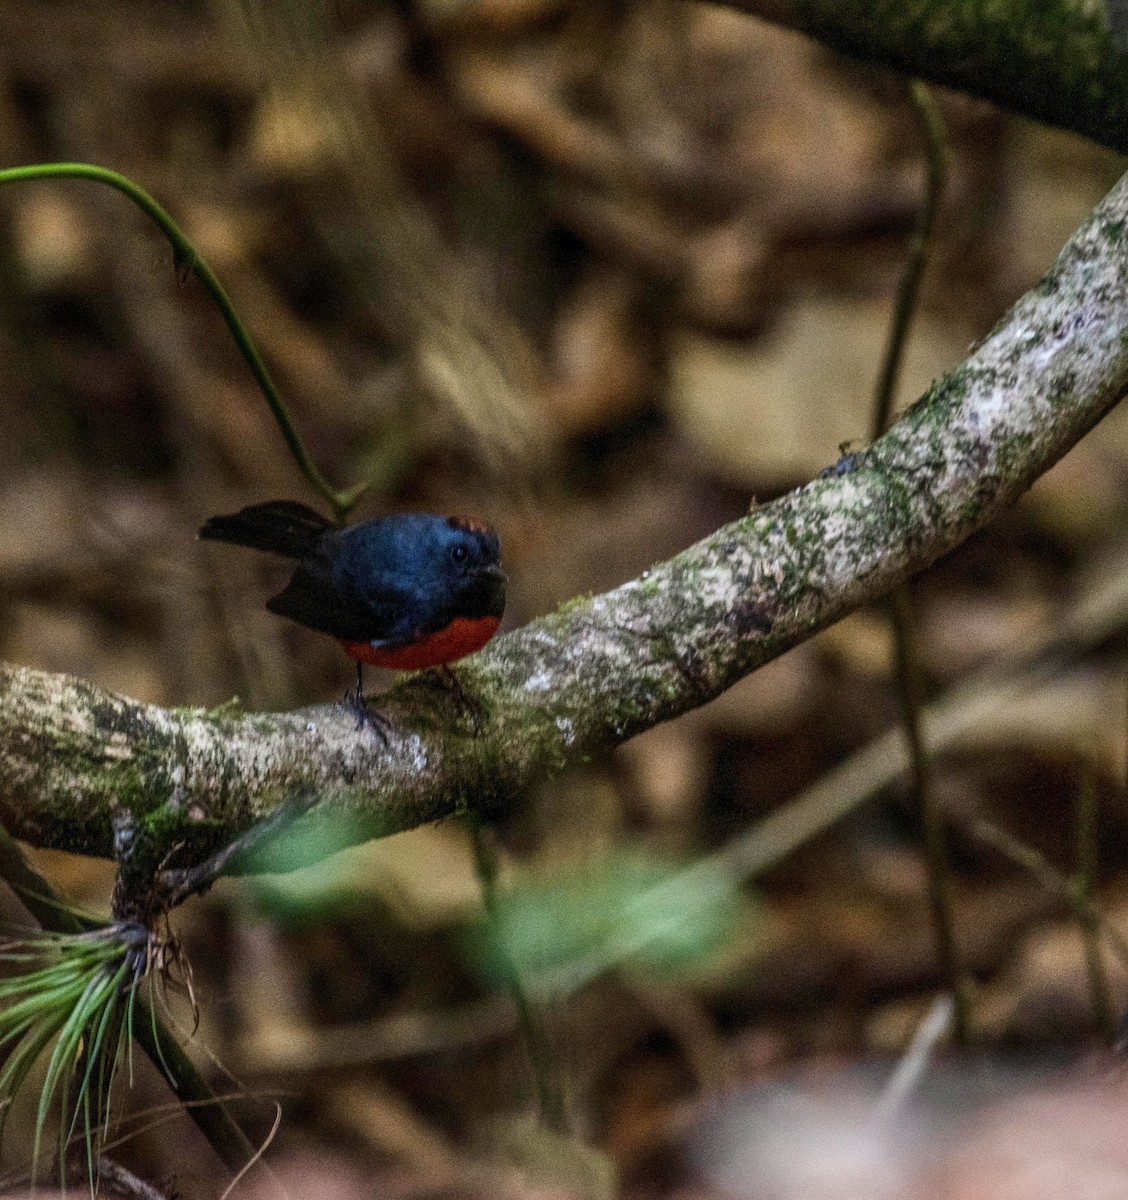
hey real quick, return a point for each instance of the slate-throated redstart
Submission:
(406, 591)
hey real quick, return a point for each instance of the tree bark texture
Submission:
(84, 770)
(1064, 62)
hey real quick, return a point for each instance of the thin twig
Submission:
(404, 1035)
(238, 856)
(910, 692)
(188, 262)
(553, 1110)
(34, 892)
(126, 1183)
(910, 688)
(914, 1062)
(121, 1182)
(1088, 854)
(113, 1179)
(908, 288)
(1050, 878)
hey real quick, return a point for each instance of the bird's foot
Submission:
(367, 717)
(468, 706)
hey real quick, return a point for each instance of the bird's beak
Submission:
(492, 580)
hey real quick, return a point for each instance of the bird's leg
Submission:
(467, 704)
(372, 718)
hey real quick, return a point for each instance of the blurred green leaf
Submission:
(288, 890)
(632, 909)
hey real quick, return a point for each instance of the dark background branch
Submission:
(1061, 62)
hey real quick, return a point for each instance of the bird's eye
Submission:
(458, 552)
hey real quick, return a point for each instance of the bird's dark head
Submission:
(436, 568)
(471, 556)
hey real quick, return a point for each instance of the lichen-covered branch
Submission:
(1059, 61)
(82, 769)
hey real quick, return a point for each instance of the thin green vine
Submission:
(908, 673)
(553, 1110)
(188, 262)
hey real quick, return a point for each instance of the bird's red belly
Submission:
(459, 638)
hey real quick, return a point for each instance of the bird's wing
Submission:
(314, 599)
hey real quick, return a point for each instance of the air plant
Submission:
(80, 992)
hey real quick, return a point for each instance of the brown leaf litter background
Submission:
(603, 273)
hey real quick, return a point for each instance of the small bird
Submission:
(406, 591)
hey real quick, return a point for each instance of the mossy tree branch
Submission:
(1059, 61)
(82, 769)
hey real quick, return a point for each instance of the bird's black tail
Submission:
(280, 526)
